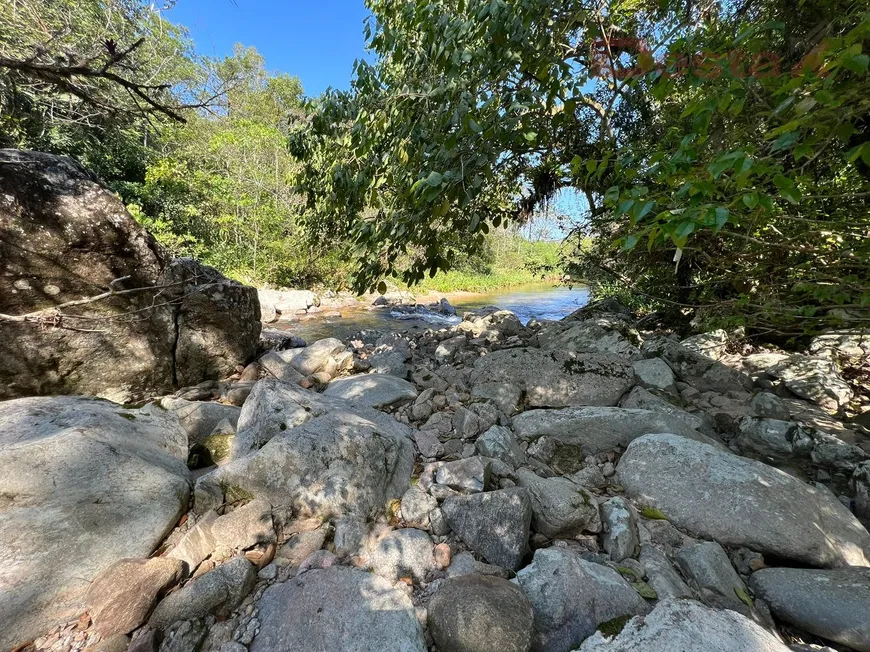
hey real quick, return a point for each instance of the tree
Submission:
(711, 184)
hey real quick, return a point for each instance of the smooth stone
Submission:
(710, 572)
(560, 508)
(571, 597)
(494, 524)
(477, 613)
(833, 604)
(620, 538)
(687, 626)
(337, 610)
(740, 502)
(403, 553)
(661, 575)
(372, 390)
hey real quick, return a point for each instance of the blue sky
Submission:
(316, 40)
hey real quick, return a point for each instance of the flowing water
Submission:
(534, 301)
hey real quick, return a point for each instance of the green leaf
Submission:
(530, 136)
(476, 128)
(741, 593)
(721, 218)
(630, 243)
(653, 513)
(434, 179)
(612, 194)
(382, 288)
(857, 63)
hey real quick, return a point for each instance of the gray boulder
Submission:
(703, 373)
(416, 507)
(766, 404)
(571, 597)
(710, 572)
(687, 626)
(506, 396)
(372, 390)
(277, 363)
(64, 236)
(337, 610)
(594, 430)
(560, 508)
(85, 483)
(558, 378)
(661, 576)
(655, 373)
(620, 538)
(741, 502)
(289, 302)
(499, 442)
(494, 524)
(596, 334)
(274, 407)
(339, 459)
(402, 553)
(712, 344)
(313, 357)
(218, 591)
(643, 399)
(815, 379)
(833, 604)
(200, 418)
(476, 613)
(468, 475)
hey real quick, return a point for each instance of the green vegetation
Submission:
(723, 149)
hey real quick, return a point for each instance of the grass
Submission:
(461, 281)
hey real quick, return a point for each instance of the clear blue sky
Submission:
(316, 40)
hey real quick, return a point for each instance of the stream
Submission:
(533, 301)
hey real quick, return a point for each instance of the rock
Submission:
(318, 560)
(739, 502)
(709, 571)
(315, 356)
(289, 302)
(757, 364)
(244, 528)
(815, 379)
(390, 363)
(696, 369)
(277, 364)
(849, 344)
(833, 604)
(372, 390)
(471, 421)
(500, 443)
(448, 348)
(268, 312)
(402, 553)
(428, 443)
(661, 576)
(337, 610)
(640, 398)
(494, 524)
(475, 613)
(571, 597)
(620, 538)
(122, 596)
(275, 407)
(771, 406)
(560, 508)
(589, 477)
(65, 236)
(468, 475)
(301, 546)
(239, 392)
(218, 591)
(416, 506)
(184, 636)
(465, 564)
(597, 334)
(768, 438)
(85, 483)
(593, 430)
(687, 626)
(219, 445)
(506, 396)
(199, 419)
(712, 344)
(861, 483)
(324, 456)
(558, 378)
(655, 373)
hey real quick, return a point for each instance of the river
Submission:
(533, 301)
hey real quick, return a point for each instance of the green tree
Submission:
(709, 186)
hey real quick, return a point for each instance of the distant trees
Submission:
(722, 148)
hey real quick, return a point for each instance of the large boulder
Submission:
(558, 378)
(815, 379)
(833, 604)
(163, 323)
(373, 390)
(571, 597)
(594, 430)
(701, 372)
(687, 626)
(319, 455)
(740, 502)
(84, 484)
(289, 302)
(479, 613)
(337, 610)
(598, 334)
(493, 523)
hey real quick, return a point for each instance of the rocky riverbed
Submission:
(573, 485)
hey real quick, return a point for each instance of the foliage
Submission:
(714, 182)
